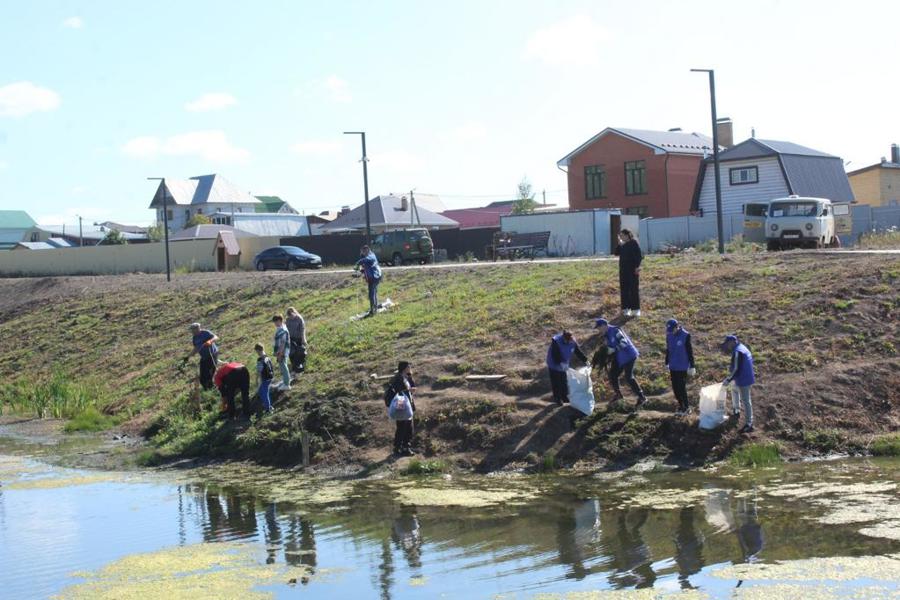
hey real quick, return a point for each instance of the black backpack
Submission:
(268, 371)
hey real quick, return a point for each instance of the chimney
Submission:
(725, 131)
(895, 154)
(404, 204)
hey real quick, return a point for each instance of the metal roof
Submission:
(753, 148)
(88, 232)
(16, 219)
(58, 242)
(35, 245)
(269, 224)
(817, 176)
(386, 212)
(229, 242)
(673, 142)
(880, 165)
(201, 190)
(206, 232)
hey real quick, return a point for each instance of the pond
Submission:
(811, 530)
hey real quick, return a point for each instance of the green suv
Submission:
(403, 247)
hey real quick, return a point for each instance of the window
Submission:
(594, 182)
(640, 211)
(794, 209)
(744, 175)
(841, 210)
(756, 210)
(635, 178)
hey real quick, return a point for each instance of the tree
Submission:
(198, 219)
(115, 238)
(524, 203)
(155, 232)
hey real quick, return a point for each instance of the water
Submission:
(526, 537)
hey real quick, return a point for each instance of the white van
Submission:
(803, 222)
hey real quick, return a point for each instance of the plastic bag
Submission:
(400, 408)
(712, 406)
(581, 392)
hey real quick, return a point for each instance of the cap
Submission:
(729, 338)
(194, 326)
(671, 324)
(600, 323)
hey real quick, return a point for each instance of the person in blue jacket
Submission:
(742, 377)
(620, 346)
(680, 362)
(368, 262)
(559, 354)
(204, 343)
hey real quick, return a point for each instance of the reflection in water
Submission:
(688, 547)
(630, 556)
(576, 530)
(749, 532)
(407, 537)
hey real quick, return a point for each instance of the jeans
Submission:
(559, 382)
(628, 368)
(740, 399)
(373, 295)
(265, 399)
(403, 435)
(285, 371)
(679, 388)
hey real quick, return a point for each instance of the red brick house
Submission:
(645, 173)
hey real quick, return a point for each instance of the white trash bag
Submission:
(712, 406)
(400, 408)
(581, 392)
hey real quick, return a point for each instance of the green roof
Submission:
(269, 204)
(16, 219)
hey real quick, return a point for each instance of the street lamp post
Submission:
(162, 186)
(715, 136)
(365, 161)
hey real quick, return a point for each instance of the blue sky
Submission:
(460, 98)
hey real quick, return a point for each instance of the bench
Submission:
(514, 245)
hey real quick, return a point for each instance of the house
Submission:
(316, 222)
(644, 173)
(266, 224)
(274, 204)
(878, 184)
(483, 216)
(202, 195)
(88, 235)
(17, 226)
(206, 232)
(49, 244)
(761, 170)
(123, 228)
(389, 213)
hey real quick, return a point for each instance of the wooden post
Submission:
(304, 444)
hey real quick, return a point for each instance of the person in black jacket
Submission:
(402, 383)
(630, 257)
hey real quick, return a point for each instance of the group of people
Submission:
(289, 347)
(618, 354)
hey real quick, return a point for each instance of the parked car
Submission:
(801, 222)
(403, 247)
(286, 257)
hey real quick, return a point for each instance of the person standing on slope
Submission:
(368, 262)
(204, 342)
(630, 257)
(625, 353)
(562, 347)
(679, 362)
(742, 377)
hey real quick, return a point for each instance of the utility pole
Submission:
(544, 196)
(165, 195)
(365, 161)
(80, 233)
(715, 136)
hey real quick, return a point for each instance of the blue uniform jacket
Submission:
(742, 366)
(679, 353)
(560, 353)
(619, 341)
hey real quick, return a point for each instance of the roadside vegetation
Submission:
(823, 333)
(883, 240)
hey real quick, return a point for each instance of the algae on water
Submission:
(840, 568)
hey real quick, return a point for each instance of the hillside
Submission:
(823, 329)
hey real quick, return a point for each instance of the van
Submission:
(403, 247)
(805, 222)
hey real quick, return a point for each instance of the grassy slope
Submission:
(823, 331)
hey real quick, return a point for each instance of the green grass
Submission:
(885, 240)
(824, 440)
(548, 463)
(756, 455)
(89, 420)
(843, 304)
(56, 396)
(886, 445)
(426, 467)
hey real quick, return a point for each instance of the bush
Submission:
(58, 397)
(89, 420)
(425, 467)
(756, 455)
(548, 463)
(886, 445)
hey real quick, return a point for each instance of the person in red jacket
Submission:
(230, 378)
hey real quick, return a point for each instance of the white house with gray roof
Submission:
(204, 195)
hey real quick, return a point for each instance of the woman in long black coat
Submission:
(630, 257)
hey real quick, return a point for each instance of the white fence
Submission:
(657, 234)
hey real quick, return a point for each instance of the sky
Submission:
(461, 99)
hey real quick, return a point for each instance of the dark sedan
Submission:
(286, 257)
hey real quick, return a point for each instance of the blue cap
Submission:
(729, 338)
(671, 324)
(600, 323)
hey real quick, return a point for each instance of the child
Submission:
(265, 373)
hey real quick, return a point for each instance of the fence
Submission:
(656, 234)
(874, 218)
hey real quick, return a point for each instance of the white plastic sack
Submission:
(400, 408)
(712, 405)
(581, 393)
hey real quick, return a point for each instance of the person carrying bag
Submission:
(401, 408)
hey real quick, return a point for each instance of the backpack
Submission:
(268, 371)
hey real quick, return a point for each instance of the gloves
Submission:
(692, 372)
(727, 381)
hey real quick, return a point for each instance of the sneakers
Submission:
(746, 429)
(636, 313)
(642, 400)
(626, 312)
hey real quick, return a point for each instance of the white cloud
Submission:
(23, 98)
(575, 41)
(211, 101)
(397, 160)
(465, 133)
(73, 23)
(211, 145)
(338, 89)
(316, 147)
